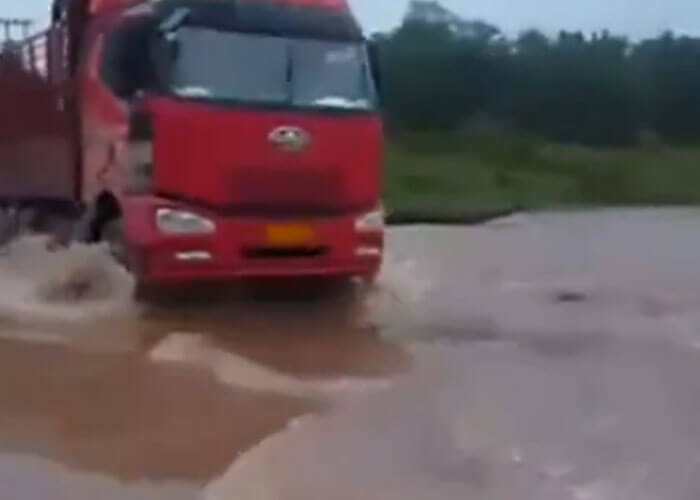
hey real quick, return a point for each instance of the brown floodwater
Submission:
(545, 356)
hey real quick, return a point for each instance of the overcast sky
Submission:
(631, 17)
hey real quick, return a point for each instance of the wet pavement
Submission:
(550, 356)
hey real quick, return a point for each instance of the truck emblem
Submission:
(290, 139)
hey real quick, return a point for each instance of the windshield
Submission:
(217, 65)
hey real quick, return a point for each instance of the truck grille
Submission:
(284, 253)
(288, 188)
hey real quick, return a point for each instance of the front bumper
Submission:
(238, 248)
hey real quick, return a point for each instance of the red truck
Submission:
(201, 139)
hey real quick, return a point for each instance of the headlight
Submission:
(370, 222)
(182, 222)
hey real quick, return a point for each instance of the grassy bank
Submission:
(477, 173)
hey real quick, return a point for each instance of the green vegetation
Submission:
(550, 121)
(480, 172)
(600, 90)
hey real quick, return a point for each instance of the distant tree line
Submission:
(596, 90)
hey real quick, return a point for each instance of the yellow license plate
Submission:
(290, 235)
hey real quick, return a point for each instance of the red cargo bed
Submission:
(37, 145)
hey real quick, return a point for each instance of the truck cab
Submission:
(225, 139)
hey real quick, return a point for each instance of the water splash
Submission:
(79, 283)
(400, 287)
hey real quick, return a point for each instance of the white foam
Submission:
(400, 288)
(80, 283)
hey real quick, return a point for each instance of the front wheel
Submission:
(112, 234)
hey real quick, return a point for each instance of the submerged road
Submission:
(548, 356)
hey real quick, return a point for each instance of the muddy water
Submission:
(550, 356)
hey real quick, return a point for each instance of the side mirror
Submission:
(376, 67)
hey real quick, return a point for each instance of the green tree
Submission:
(596, 90)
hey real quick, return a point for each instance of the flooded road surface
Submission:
(547, 357)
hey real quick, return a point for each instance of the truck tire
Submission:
(112, 234)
